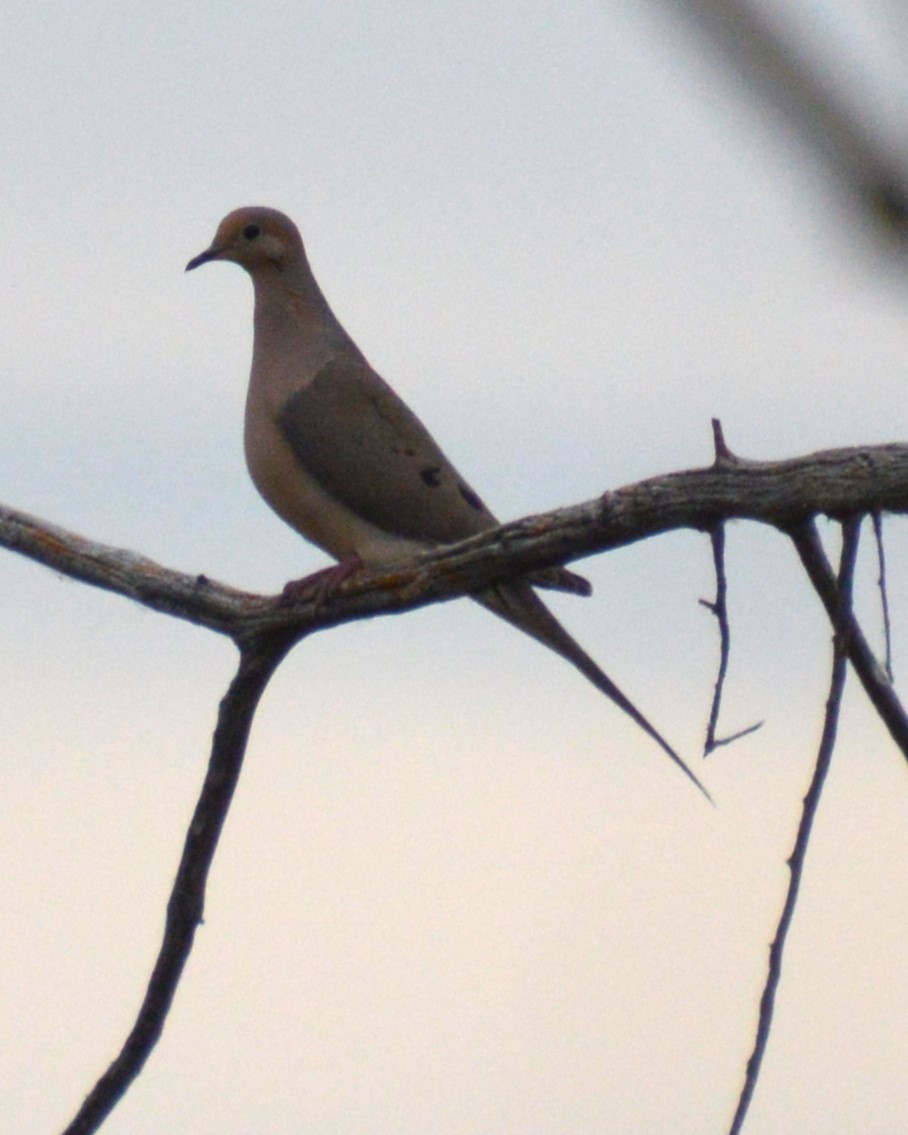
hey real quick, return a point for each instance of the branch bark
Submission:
(838, 483)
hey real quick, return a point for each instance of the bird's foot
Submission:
(320, 585)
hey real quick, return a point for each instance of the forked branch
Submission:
(785, 494)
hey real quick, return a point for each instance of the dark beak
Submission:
(203, 257)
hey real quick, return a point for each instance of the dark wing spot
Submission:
(431, 475)
(470, 497)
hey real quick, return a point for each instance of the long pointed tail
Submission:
(518, 604)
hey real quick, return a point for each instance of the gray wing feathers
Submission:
(358, 440)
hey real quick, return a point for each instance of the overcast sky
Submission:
(458, 893)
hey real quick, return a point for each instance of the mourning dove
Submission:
(339, 456)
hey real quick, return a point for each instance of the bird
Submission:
(342, 459)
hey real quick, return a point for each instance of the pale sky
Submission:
(458, 893)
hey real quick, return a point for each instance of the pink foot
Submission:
(320, 585)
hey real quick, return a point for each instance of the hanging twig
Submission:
(884, 590)
(868, 669)
(719, 607)
(843, 625)
(724, 458)
(187, 900)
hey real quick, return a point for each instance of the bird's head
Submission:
(254, 237)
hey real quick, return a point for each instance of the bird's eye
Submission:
(250, 232)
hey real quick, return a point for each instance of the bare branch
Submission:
(724, 458)
(871, 674)
(785, 494)
(884, 590)
(837, 482)
(191, 597)
(844, 623)
(719, 607)
(187, 900)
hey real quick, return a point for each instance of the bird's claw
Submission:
(321, 585)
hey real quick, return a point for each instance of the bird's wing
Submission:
(366, 449)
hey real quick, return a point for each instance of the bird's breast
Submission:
(304, 504)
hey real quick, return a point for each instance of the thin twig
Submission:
(841, 635)
(868, 669)
(884, 590)
(719, 608)
(187, 900)
(724, 458)
(730, 738)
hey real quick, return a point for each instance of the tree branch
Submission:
(868, 669)
(843, 623)
(187, 900)
(719, 608)
(884, 592)
(785, 494)
(838, 482)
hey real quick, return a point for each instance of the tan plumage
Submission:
(342, 459)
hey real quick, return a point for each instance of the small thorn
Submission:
(724, 455)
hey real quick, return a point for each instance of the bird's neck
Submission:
(293, 317)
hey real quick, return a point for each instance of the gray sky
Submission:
(458, 892)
